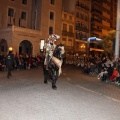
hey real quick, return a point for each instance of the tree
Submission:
(108, 41)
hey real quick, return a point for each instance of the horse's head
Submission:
(59, 51)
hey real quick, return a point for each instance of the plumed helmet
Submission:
(10, 48)
(52, 38)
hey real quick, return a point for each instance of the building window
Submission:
(50, 30)
(77, 14)
(52, 2)
(64, 40)
(10, 12)
(64, 27)
(2, 48)
(23, 15)
(69, 42)
(77, 35)
(71, 28)
(65, 16)
(51, 15)
(24, 2)
(70, 18)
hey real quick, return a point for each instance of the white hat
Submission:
(53, 37)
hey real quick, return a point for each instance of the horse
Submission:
(54, 66)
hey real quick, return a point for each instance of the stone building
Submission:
(103, 17)
(68, 30)
(82, 20)
(24, 23)
(82, 24)
(93, 18)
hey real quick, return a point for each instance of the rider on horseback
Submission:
(50, 47)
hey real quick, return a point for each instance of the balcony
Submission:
(97, 11)
(82, 29)
(96, 20)
(83, 6)
(69, 34)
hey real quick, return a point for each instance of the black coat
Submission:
(110, 71)
(10, 60)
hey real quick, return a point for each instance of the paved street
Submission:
(78, 97)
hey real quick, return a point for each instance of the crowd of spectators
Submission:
(23, 61)
(106, 67)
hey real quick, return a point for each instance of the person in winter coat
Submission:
(9, 62)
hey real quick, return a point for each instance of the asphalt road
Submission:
(78, 97)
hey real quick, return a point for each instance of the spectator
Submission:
(114, 75)
(10, 62)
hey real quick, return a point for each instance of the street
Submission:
(78, 97)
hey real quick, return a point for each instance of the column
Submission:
(117, 31)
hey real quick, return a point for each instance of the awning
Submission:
(95, 49)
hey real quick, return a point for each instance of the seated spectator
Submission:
(100, 75)
(103, 75)
(92, 68)
(87, 68)
(117, 81)
(110, 71)
(114, 75)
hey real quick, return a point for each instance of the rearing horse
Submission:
(54, 67)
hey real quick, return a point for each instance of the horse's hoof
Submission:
(45, 82)
(54, 87)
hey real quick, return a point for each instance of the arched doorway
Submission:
(25, 47)
(3, 46)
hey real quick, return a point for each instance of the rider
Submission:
(50, 47)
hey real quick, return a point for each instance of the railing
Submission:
(65, 33)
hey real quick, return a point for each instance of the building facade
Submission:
(68, 31)
(103, 19)
(82, 24)
(24, 23)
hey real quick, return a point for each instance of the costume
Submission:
(50, 47)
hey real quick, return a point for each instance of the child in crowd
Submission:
(103, 74)
(114, 75)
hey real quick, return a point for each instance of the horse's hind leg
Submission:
(54, 83)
